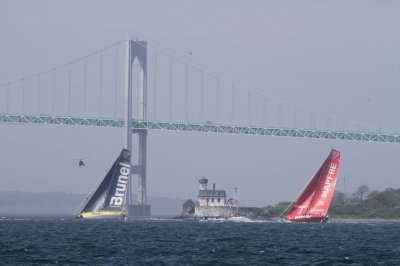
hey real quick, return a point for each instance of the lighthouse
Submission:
(203, 183)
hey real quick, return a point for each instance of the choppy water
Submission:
(38, 241)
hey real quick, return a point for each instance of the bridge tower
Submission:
(136, 49)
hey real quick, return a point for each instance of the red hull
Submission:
(310, 220)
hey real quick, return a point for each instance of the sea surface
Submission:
(162, 241)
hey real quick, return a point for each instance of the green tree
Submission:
(339, 196)
(389, 197)
(362, 192)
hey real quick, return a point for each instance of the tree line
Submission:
(366, 203)
(363, 203)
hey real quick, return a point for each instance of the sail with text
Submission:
(313, 203)
(108, 200)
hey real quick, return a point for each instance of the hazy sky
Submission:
(338, 57)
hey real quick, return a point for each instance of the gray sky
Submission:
(338, 57)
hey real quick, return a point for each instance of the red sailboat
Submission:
(313, 203)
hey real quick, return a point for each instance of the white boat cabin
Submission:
(210, 197)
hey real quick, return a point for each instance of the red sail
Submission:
(313, 203)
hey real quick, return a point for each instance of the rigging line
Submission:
(265, 111)
(280, 114)
(186, 93)
(116, 83)
(84, 88)
(170, 88)
(7, 100)
(233, 104)
(245, 88)
(155, 84)
(345, 126)
(249, 106)
(218, 100)
(38, 97)
(69, 91)
(54, 93)
(101, 83)
(312, 120)
(202, 96)
(23, 97)
(60, 66)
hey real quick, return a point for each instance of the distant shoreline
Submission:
(33, 216)
(365, 220)
(66, 204)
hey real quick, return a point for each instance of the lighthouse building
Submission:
(210, 197)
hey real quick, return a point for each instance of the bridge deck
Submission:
(211, 128)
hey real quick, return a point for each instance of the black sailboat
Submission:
(108, 200)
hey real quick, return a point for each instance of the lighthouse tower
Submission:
(203, 183)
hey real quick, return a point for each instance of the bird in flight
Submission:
(81, 161)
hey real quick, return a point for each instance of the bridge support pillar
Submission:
(137, 50)
(141, 193)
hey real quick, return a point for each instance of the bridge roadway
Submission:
(207, 127)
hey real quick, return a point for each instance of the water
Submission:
(55, 240)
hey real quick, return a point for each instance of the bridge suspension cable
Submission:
(218, 100)
(196, 99)
(281, 103)
(155, 85)
(186, 92)
(53, 102)
(38, 95)
(62, 66)
(59, 85)
(84, 86)
(116, 82)
(171, 67)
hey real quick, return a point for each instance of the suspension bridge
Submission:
(140, 86)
